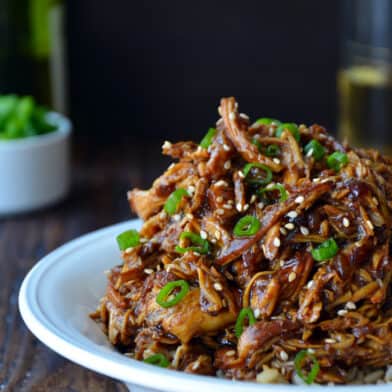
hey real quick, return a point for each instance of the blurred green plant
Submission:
(21, 117)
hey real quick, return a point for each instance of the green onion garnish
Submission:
(276, 187)
(173, 201)
(199, 244)
(257, 143)
(299, 358)
(248, 225)
(291, 127)
(256, 179)
(207, 139)
(272, 150)
(239, 325)
(128, 239)
(162, 297)
(267, 121)
(314, 149)
(337, 160)
(157, 360)
(325, 250)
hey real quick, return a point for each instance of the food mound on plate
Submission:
(264, 255)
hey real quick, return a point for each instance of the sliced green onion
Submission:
(255, 179)
(128, 239)
(314, 149)
(239, 325)
(337, 160)
(173, 201)
(291, 127)
(248, 225)
(272, 150)
(276, 187)
(157, 360)
(199, 244)
(299, 358)
(162, 297)
(267, 121)
(325, 250)
(207, 139)
(257, 144)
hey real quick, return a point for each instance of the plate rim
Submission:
(116, 365)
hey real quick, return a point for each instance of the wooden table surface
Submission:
(101, 177)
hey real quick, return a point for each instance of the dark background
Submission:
(156, 69)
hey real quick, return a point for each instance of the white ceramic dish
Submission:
(60, 291)
(35, 170)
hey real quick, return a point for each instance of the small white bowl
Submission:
(35, 171)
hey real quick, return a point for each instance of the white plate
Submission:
(64, 287)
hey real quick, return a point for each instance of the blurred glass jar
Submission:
(365, 78)
(32, 51)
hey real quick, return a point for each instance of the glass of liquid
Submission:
(365, 77)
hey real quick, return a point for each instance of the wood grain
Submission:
(101, 177)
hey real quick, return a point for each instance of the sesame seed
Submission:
(283, 231)
(370, 224)
(231, 115)
(244, 116)
(350, 305)
(276, 160)
(309, 284)
(289, 226)
(284, 356)
(163, 214)
(330, 341)
(166, 144)
(309, 153)
(292, 276)
(252, 199)
(217, 234)
(270, 185)
(316, 180)
(218, 286)
(191, 189)
(177, 217)
(143, 240)
(281, 263)
(238, 207)
(221, 183)
(230, 201)
(346, 222)
(189, 216)
(311, 351)
(219, 199)
(240, 174)
(260, 205)
(271, 131)
(226, 147)
(246, 206)
(276, 242)
(220, 211)
(196, 253)
(257, 313)
(227, 206)
(375, 201)
(196, 365)
(227, 165)
(342, 312)
(213, 240)
(203, 234)
(299, 199)
(292, 214)
(304, 230)
(219, 121)
(148, 271)
(230, 353)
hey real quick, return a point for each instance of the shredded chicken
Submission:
(337, 306)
